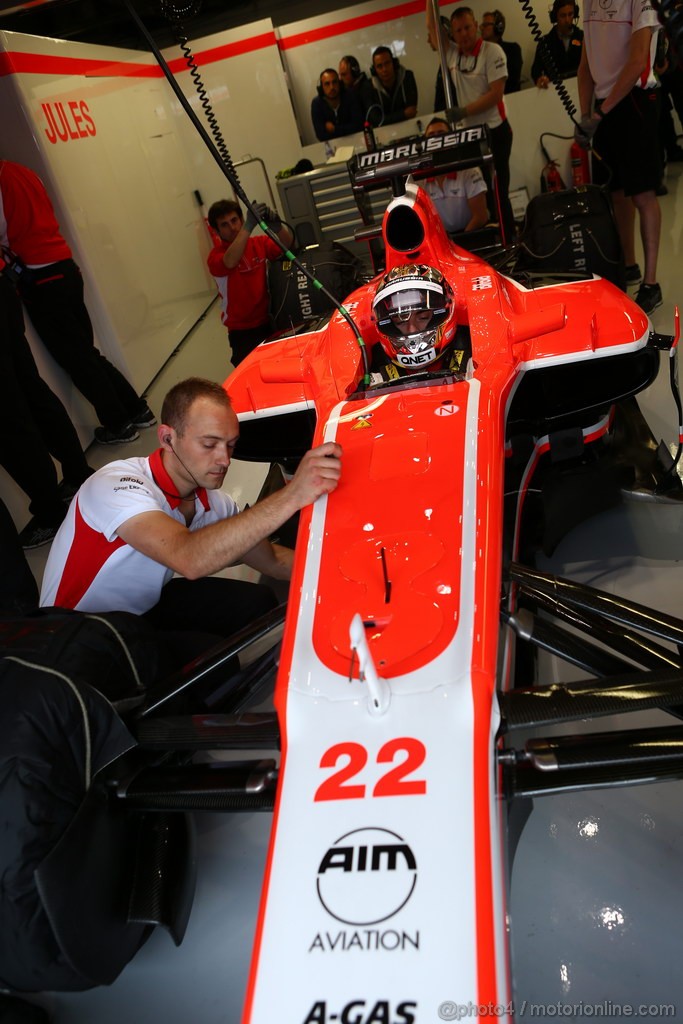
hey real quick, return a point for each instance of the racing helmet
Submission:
(415, 315)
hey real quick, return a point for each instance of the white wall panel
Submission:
(108, 150)
(247, 89)
(102, 138)
(122, 170)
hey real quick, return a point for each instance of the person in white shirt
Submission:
(459, 197)
(479, 72)
(618, 94)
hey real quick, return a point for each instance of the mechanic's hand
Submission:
(585, 130)
(251, 221)
(318, 473)
(272, 220)
(455, 114)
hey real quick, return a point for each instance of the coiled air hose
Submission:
(218, 148)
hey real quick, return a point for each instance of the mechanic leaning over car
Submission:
(136, 522)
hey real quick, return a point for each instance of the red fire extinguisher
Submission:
(578, 156)
(551, 179)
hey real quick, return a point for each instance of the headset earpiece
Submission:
(498, 23)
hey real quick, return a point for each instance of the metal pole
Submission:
(447, 80)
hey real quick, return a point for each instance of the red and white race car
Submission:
(398, 680)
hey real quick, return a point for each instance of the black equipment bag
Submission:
(295, 300)
(117, 653)
(572, 232)
(63, 922)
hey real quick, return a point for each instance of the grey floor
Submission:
(595, 899)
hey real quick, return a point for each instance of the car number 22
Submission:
(353, 758)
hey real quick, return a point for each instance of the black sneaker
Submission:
(649, 297)
(35, 534)
(633, 274)
(145, 418)
(103, 435)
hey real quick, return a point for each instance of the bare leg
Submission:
(650, 216)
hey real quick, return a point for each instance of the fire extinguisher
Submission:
(578, 156)
(369, 137)
(551, 179)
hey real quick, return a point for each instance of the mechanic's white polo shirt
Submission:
(89, 567)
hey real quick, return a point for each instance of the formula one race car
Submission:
(480, 419)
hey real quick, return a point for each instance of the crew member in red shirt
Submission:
(51, 287)
(239, 265)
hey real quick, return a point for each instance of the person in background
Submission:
(492, 29)
(34, 427)
(357, 84)
(18, 588)
(563, 46)
(239, 266)
(459, 197)
(670, 76)
(479, 73)
(51, 288)
(395, 87)
(334, 111)
(619, 105)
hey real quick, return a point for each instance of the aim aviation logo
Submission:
(366, 876)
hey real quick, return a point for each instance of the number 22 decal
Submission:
(392, 783)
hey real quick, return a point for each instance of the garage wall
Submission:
(123, 165)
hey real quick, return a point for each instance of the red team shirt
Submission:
(27, 221)
(245, 305)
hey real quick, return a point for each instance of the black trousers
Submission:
(54, 302)
(196, 614)
(18, 588)
(242, 342)
(33, 422)
(501, 147)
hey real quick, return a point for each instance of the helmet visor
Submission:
(410, 316)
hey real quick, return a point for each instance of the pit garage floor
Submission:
(595, 898)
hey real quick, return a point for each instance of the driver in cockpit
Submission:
(415, 316)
